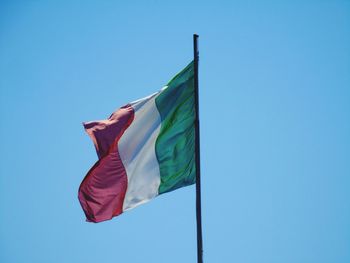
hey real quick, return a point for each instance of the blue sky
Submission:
(275, 111)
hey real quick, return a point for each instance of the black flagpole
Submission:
(197, 153)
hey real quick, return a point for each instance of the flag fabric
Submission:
(145, 148)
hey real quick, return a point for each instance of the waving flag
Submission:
(145, 148)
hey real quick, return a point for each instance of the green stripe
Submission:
(175, 145)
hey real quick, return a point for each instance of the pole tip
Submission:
(195, 35)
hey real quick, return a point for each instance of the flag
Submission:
(145, 148)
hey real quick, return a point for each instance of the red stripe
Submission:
(101, 193)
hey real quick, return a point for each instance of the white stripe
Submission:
(137, 151)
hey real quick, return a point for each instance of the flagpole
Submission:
(197, 154)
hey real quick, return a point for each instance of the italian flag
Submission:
(145, 148)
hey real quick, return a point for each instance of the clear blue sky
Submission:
(275, 126)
